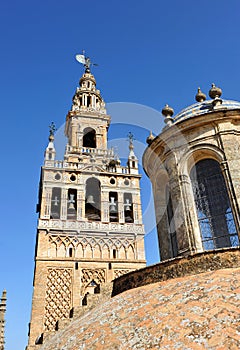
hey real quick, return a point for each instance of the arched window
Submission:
(72, 204)
(89, 138)
(171, 224)
(113, 206)
(93, 200)
(128, 207)
(214, 210)
(56, 203)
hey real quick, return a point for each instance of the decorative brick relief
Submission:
(89, 275)
(118, 273)
(58, 296)
(88, 247)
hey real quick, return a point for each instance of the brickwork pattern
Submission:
(191, 312)
(58, 296)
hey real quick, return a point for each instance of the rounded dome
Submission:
(204, 108)
(193, 312)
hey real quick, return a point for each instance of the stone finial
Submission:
(200, 96)
(215, 92)
(167, 112)
(150, 138)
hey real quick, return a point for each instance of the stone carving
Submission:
(58, 296)
(114, 227)
(84, 247)
(89, 275)
(118, 273)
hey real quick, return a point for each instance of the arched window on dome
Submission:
(89, 138)
(93, 200)
(213, 206)
(171, 224)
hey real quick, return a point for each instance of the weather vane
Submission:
(86, 61)
(52, 128)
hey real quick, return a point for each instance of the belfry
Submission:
(90, 227)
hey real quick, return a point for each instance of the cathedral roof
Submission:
(191, 312)
(204, 107)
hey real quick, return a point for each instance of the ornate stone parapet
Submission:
(90, 226)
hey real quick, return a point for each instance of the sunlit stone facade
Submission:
(90, 227)
(193, 165)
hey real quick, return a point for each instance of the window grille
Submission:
(214, 211)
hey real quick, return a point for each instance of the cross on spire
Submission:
(131, 138)
(52, 129)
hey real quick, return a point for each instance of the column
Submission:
(80, 205)
(191, 214)
(105, 206)
(180, 220)
(121, 218)
(64, 204)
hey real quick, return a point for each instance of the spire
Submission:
(132, 159)
(2, 319)
(50, 152)
(131, 146)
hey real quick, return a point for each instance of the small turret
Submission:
(132, 159)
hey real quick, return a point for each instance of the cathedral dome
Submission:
(191, 312)
(204, 107)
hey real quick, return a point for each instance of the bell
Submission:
(112, 205)
(127, 205)
(90, 199)
(71, 202)
(55, 201)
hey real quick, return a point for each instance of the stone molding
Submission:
(178, 267)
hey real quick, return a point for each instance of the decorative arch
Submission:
(131, 252)
(61, 252)
(89, 138)
(53, 250)
(93, 199)
(105, 252)
(197, 153)
(79, 251)
(122, 252)
(88, 251)
(97, 251)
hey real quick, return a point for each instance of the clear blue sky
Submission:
(149, 52)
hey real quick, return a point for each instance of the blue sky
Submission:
(149, 52)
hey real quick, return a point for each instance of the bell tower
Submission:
(90, 227)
